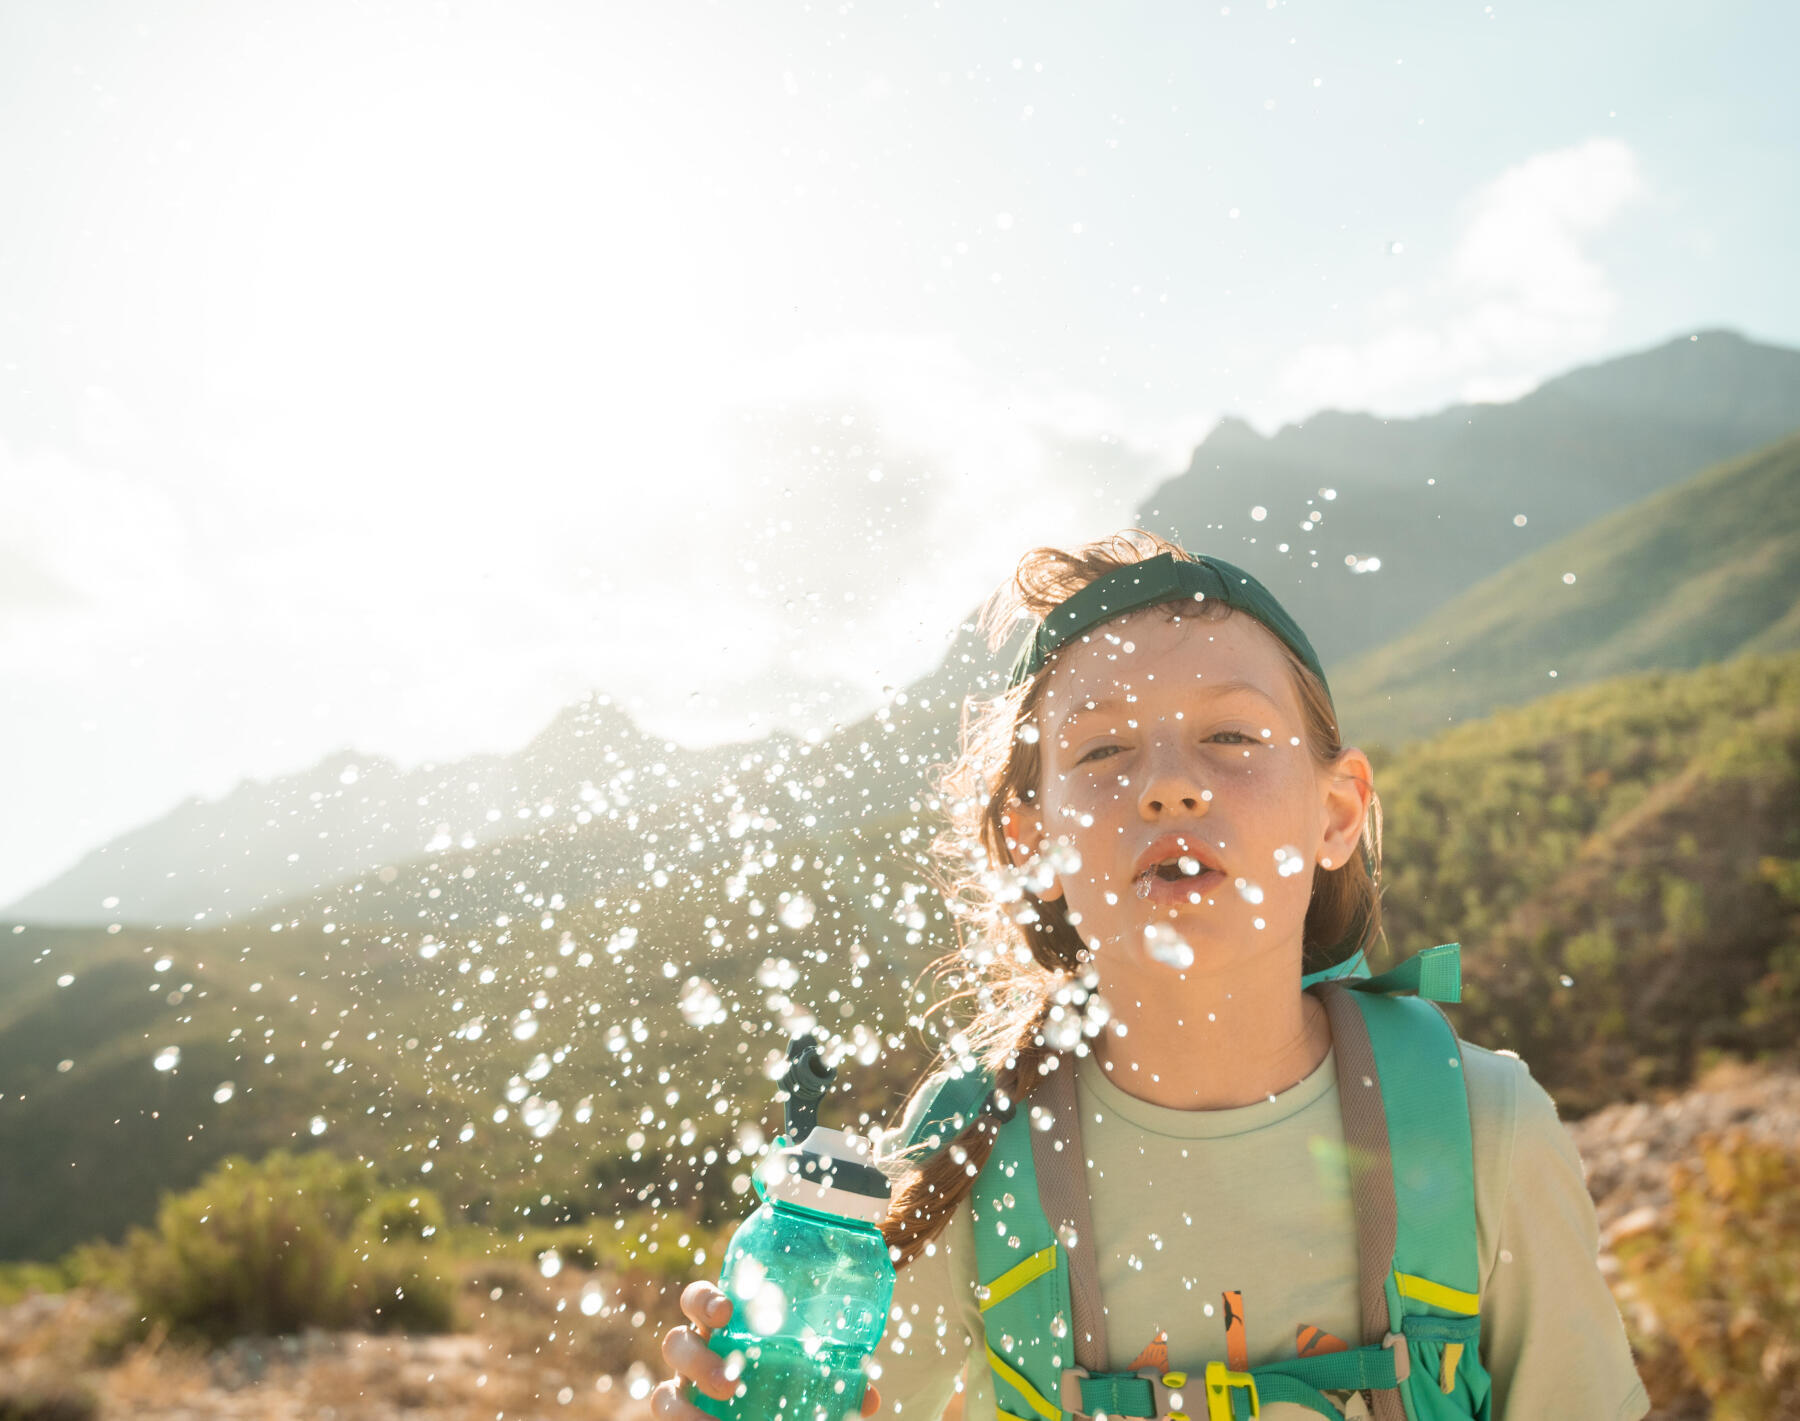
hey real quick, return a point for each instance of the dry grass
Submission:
(529, 1352)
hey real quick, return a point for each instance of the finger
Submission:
(668, 1404)
(688, 1356)
(705, 1306)
(871, 1400)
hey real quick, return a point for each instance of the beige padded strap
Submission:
(1371, 1172)
(1063, 1192)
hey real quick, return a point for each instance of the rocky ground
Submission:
(1628, 1151)
(1628, 1148)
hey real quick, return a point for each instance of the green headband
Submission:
(1163, 578)
(1166, 578)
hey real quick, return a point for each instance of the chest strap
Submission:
(1220, 1394)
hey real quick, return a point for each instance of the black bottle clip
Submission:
(805, 1082)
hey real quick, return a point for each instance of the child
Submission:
(1191, 1160)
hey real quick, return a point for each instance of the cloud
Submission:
(1519, 295)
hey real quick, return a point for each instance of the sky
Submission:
(385, 376)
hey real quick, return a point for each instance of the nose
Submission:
(1170, 787)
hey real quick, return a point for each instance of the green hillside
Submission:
(658, 1009)
(556, 1058)
(1621, 863)
(1695, 574)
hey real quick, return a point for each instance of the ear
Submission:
(1347, 787)
(1024, 839)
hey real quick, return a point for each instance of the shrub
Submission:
(1721, 1277)
(279, 1246)
(47, 1406)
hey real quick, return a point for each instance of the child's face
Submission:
(1174, 748)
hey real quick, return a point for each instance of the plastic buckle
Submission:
(1166, 1393)
(1220, 1383)
(1068, 1390)
(1396, 1343)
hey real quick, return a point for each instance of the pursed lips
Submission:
(1173, 848)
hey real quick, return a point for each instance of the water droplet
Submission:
(798, 912)
(1062, 858)
(1566, 980)
(700, 1004)
(1259, 513)
(317, 1125)
(767, 1310)
(65, 979)
(167, 1059)
(224, 1092)
(163, 964)
(540, 1116)
(1059, 1326)
(1168, 947)
(1248, 891)
(550, 1263)
(1288, 862)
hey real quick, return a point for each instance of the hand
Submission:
(686, 1352)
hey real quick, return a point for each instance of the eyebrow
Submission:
(1214, 688)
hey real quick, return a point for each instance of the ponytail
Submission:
(930, 1192)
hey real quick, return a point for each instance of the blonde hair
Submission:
(1017, 952)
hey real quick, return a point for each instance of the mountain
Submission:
(1698, 573)
(269, 841)
(1436, 498)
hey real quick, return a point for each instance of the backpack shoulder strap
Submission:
(1406, 1125)
(953, 1102)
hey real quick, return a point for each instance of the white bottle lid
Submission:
(829, 1171)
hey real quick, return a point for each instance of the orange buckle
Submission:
(1220, 1383)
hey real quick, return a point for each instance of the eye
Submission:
(1098, 749)
(1247, 739)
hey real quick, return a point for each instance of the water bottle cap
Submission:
(829, 1171)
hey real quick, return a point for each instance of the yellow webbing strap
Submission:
(1425, 1291)
(1023, 1387)
(1447, 1373)
(1018, 1276)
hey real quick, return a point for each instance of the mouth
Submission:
(1170, 885)
(1177, 869)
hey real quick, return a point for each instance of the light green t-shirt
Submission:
(1189, 1204)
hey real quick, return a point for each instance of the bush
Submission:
(1721, 1277)
(290, 1243)
(47, 1406)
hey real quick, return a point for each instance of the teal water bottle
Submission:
(808, 1273)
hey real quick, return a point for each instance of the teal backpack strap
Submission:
(954, 1102)
(1406, 1125)
(1354, 966)
(1023, 1273)
(1435, 974)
